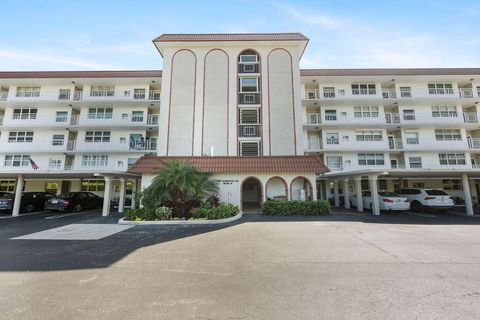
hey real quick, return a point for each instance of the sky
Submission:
(111, 35)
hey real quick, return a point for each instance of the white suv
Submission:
(426, 198)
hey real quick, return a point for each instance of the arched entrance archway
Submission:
(301, 189)
(251, 195)
(276, 188)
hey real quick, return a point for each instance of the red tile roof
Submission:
(390, 72)
(193, 37)
(81, 74)
(151, 164)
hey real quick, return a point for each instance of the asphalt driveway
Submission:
(395, 266)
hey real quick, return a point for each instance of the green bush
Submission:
(223, 211)
(163, 213)
(286, 208)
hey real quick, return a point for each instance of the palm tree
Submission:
(180, 183)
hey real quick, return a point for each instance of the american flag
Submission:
(33, 164)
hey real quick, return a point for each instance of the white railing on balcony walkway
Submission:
(314, 144)
(389, 94)
(132, 146)
(474, 143)
(314, 118)
(395, 143)
(470, 117)
(392, 118)
(465, 92)
(66, 95)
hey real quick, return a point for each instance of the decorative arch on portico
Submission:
(275, 194)
(301, 183)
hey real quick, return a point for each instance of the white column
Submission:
(336, 195)
(467, 195)
(346, 193)
(121, 198)
(358, 192)
(134, 190)
(107, 196)
(374, 193)
(18, 195)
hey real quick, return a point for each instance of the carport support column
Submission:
(467, 195)
(346, 193)
(106, 196)
(374, 192)
(18, 195)
(358, 192)
(121, 198)
(336, 195)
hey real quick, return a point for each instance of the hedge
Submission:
(223, 211)
(286, 208)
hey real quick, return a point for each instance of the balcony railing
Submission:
(27, 94)
(392, 117)
(3, 95)
(389, 94)
(311, 94)
(465, 92)
(335, 166)
(328, 93)
(395, 143)
(64, 95)
(152, 119)
(474, 143)
(145, 145)
(470, 117)
(249, 130)
(314, 144)
(249, 98)
(253, 67)
(71, 145)
(314, 118)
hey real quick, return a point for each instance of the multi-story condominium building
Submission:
(239, 106)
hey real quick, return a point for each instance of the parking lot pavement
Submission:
(342, 266)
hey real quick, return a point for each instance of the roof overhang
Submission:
(405, 173)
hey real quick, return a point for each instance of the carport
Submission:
(108, 177)
(467, 177)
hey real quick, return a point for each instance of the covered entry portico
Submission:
(71, 182)
(397, 177)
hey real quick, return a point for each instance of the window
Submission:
(366, 112)
(382, 184)
(58, 140)
(448, 135)
(95, 160)
(61, 116)
(444, 112)
(93, 185)
(249, 148)
(368, 135)
(329, 92)
(28, 92)
(97, 136)
(137, 116)
(440, 88)
(452, 159)
(364, 89)
(331, 115)
(7, 185)
(51, 187)
(411, 137)
(452, 184)
(249, 58)
(335, 163)
(415, 162)
(64, 94)
(139, 94)
(408, 114)
(249, 85)
(20, 136)
(332, 138)
(24, 114)
(371, 159)
(54, 163)
(100, 113)
(405, 92)
(102, 91)
(124, 116)
(17, 160)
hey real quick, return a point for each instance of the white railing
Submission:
(474, 143)
(465, 92)
(392, 117)
(3, 95)
(71, 145)
(389, 94)
(314, 144)
(152, 119)
(314, 118)
(132, 146)
(395, 143)
(311, 94)
(328, 93)
(248, 130)
(335, 166)
(470, 117)
(103, 95)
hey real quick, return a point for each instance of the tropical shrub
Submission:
(284, 207)
(163, 213)
(223, 211)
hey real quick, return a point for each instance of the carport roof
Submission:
(234, 164)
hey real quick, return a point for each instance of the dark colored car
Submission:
(74, 201)
(31, 201)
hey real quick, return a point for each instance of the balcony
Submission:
(249, 98)
(102, 95)
(395, 143)
(314, 144)
(314, 118)
(389, 94)
(392, 117)
(152, 119)
(249, 130)
(335, 167)
(134, 146)
(3, 95)
(312, 94)
(253, 67)
(470, 117)
(465, 93)
(474, 143)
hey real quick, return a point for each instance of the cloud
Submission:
(48, 61)
(317, 20)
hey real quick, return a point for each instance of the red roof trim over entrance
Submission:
(151, 164)
(200, 37)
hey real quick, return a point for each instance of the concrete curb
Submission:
(179, 222)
